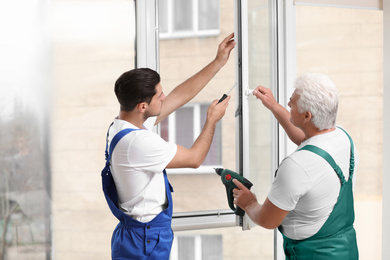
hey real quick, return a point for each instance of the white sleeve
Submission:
(290, 184)
(148, 151)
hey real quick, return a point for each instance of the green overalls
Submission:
(337, 238)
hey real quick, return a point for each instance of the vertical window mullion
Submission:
(175, 250)
(198, 247)
(171, 18)
(195, 18)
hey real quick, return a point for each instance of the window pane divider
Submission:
(200, 170)
(195, 18)
(203, 220)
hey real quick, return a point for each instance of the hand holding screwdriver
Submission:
(226, 95)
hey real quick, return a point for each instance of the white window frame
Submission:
(146, 43)
(195, 32)
(286, 43)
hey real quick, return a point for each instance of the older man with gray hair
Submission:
(311, 198)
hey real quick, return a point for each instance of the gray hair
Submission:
(318, 95)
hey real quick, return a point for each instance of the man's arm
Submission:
(281, 114)
(192, 86)
(194, 157)
(267, 215)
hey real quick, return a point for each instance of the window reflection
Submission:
(25, 201)
(24, 191)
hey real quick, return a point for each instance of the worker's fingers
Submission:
(260, 90)
(239, 184)
(228, 38)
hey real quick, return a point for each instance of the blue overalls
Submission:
(132, 239)
(336, 239)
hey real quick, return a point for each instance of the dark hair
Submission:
(136, 86)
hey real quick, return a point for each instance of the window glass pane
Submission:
(92, 44)
(260, 73)
(208, 14)
(212, 247)
(185, 126)
(349, 48)
(186, 247)
(183, 15)
(214, 157)
(177, 64)
(193, 18)
(164, 129)
(25, 182)
(261, 154)
(179, 60)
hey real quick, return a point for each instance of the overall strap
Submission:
(352, 158)
(327, 157)
(331, 161)
(115, 140)
(109, 188)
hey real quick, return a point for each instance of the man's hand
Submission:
(266, 97)
(281, 114)
(217, 110)
(266, 215)
(243, 197)
(224, 49)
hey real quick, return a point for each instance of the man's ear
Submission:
(308, 116)
(142, 107)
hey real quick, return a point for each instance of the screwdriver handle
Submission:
(222, 98)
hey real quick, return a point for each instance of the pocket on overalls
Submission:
(127, 243)
(163, 247)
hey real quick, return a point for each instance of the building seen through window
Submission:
(180, 19)
(184, 125)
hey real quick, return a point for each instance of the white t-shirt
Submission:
(307, 186)
(137, 165)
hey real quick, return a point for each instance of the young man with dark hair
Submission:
(139, 193)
